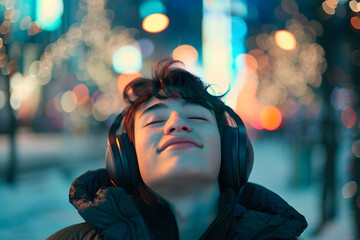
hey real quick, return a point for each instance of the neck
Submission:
(194, 207)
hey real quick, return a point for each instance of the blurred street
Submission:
(37, 204)
(289, 69)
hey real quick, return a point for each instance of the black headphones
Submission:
(236, 156)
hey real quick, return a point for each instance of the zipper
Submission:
(215, 224)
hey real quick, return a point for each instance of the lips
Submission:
(178, 140)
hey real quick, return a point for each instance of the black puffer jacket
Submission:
(110, 213)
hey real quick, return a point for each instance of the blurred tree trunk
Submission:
(355, 166)
(12, 127)
(6, 73)
(334, 40)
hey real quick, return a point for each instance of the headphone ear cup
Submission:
(227, 177)
(131, 173)
(236, 158)
(121, 163)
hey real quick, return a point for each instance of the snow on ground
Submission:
(37, 205)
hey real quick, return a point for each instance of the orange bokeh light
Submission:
(155, 23)
(285, 40)
(126, 78)
(355, 22)
(270, 117)
(185, 53)
(348, 117)
(81, 92)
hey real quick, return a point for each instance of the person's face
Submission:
(176, 140)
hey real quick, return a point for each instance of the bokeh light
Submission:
(127, 58)
(327, 9)
(239, 27)
(2, 99)
(356, 148)
(85, 108)
(5, 27)
(155, 23)
(150, 7)
(354, 6)
(126, 78)
(349, 189)
(355, 22)
(285, 40)
(342, 98)
(247, 62)
(48, 14)
(348, 117)
(270, 118)
(185, 53)
(290, 6)
(81, 92)
(68, 101)
(146, 47)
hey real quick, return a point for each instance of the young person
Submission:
(178, 161)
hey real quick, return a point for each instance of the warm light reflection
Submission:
(247, 62)
(285, 40)
(328, 10)
(355, 22)
(126, 78)
(155, 23)
(81, 92)
(260, 56)
(354, 6)
(185, 53)
(332, 3)
(5, 27)
(270, 118)
(348, 117)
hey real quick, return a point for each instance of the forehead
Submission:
(169, 103)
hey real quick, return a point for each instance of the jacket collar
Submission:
(160, 219)
(256, 211)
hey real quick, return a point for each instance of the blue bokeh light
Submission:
(150, 7)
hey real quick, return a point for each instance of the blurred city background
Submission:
(292, 67)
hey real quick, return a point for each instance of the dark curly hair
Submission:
(169, 82)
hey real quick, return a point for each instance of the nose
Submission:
(175, 124)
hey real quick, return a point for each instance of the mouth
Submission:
(179, 143)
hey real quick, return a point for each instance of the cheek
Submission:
(214, 151)
(145, 147)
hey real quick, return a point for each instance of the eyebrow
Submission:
(163, 105)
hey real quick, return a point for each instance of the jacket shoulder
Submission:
(81, 231)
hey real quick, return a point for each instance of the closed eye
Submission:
(198, 118)
(154, 122)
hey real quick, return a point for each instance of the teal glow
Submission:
(127, 59)
(48, 13)
(150, 7)
(239, 30)
(238, 27)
